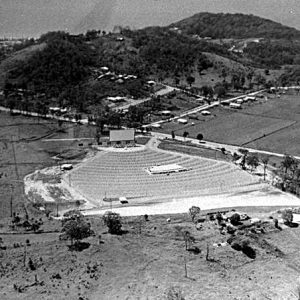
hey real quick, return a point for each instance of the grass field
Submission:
(271, 125)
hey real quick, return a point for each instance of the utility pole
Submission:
(15, 159)
(11, 200)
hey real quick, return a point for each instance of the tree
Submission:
(265, 162)
(188, 239)
(252, 161)
(194, 211)
(185, 134)
(199, 137)
(207, 91)
(287, 216)
(113, 222)
(77, 229)
(173, 135)
(245, 153)
(220, 91)
(235, 219)
(250, 75)
(190, 80)
(224, 74)
(176, 81)
(287, 162)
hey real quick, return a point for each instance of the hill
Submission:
(12, 61)
(237, 26)
(34, 17)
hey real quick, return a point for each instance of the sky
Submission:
(31, 18)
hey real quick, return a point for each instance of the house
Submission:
(182, 121)
(122, 138)
(151, 83)
(206, 113)
(235, 105)
(166, 113)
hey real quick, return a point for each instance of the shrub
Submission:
(242, 245)
(235, 219)
(236, 246)
(249, 251)
(287, 216)
(174, 293)
(113, 222)
(194, 211)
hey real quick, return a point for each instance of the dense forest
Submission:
(63, 62)
(237, 26)
(273, 54)
(290, 76)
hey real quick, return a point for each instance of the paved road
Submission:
(166, 90)
(218, 146)
(204, 107)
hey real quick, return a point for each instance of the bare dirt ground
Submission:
(148, 262)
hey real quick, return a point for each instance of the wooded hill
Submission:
(65, 68)
(238, 26)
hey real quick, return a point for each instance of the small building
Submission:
(156, 125)
(122, 138)
(166, 113)
(206, 113)
(67, 167)
(182, 121)
(151, 83)
(235, 105)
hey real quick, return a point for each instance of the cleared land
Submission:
(271, 125)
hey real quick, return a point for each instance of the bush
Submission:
(236, 246)
(287, 216)
(194, 211)
(174, 293)
(235, 219)
(113, 222)
(249, 251)
(242, 245)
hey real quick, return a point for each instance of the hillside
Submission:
(67, 69)
(148, 261)
(12, 61)
(237, 26)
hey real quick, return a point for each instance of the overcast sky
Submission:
(34, 17)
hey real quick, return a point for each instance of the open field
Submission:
(271, 125)
(31, 152)
(149, 261)
(123, 174)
